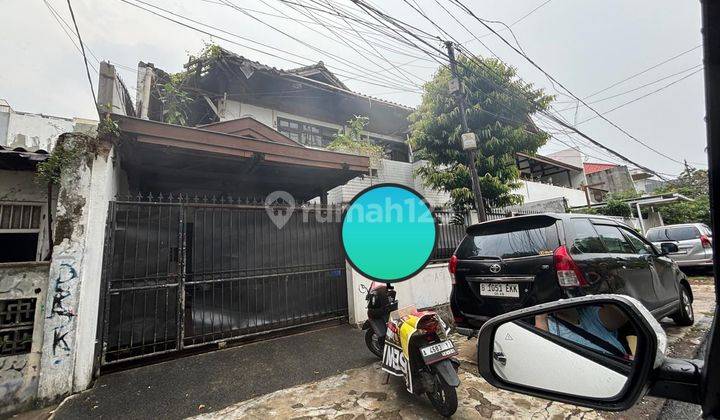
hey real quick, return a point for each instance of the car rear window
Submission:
(674, 234)
(511, 241)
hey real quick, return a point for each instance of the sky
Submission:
(585, 45)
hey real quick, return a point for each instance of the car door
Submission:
(663, 272)
(632, 271)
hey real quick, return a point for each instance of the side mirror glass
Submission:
(668, 248)
(595, 351)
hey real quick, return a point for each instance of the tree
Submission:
(692, 183)
(500, 119)
(350, 140)
(615, 206)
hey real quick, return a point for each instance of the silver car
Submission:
(693, 240)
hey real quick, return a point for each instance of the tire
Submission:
(374, 343)
(685, 315)
(443, 398)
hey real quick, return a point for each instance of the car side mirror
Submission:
(668, 248)
(594, 351)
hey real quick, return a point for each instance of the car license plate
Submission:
(499, 289)
(436, 352)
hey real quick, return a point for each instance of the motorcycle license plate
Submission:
(499, 289)
(436, 352)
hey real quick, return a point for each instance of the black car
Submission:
(518, 262)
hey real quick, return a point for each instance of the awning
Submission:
(650, 200)
(244, 157)
(20, 159)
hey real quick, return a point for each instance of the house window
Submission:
(394, 150)
(307, 134)
(17, 317)
(19, 231)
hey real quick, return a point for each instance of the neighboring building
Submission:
(608, 178)
(27, 208)
(644, 181)
(545, 179)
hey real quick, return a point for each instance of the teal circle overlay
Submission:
(388, 233)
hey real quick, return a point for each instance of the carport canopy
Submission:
(242, 158)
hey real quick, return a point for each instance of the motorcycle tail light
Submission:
(568, 272)
(705, 241)
(429, 325)
(452, 267)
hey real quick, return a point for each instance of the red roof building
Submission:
(596, 167)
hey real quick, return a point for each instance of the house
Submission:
(308, 105)
(608, 178)
(644, 181)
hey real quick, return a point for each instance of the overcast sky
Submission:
(586, 45)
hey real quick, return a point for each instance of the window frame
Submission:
(574, 231)
(305, 129)
(630, 233)
(608, 250)
(29, 228)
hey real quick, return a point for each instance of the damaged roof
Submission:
(19, 159)
(248, 67)
(320, 73)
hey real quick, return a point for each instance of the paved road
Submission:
(363, 393)
(211, 381)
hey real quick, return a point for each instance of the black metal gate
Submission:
(180, 273)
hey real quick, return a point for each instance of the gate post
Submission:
(71, 309)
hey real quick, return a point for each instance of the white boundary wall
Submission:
(430, 287)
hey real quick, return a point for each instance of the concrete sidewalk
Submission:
(211, 381)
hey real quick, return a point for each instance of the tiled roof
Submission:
(596, 167)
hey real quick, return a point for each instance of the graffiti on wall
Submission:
(61, 292)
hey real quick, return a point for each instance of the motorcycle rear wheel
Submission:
(443, 397)
(374, 343)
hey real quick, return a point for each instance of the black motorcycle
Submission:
(381, 301)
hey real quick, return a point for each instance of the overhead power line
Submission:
(643, 71)
(82, 50)
(372, 11)
(258, 50)
(639, 87)
(643, 96)
(543, 71)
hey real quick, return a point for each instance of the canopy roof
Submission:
(241, 157)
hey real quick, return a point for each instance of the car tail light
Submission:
(705, 241)
(452, 267)
(568, 272)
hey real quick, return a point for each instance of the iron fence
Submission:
(451, 230)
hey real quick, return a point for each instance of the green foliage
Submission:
(692, 183)
(615, 206)
(175, 99)
(173, 93)
(500, 120)
(108, 129)
(69, 151)
(351, 140)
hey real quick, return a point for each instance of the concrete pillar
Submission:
(640, 219)
(71, 309)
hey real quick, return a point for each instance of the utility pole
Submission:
(469, 139)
